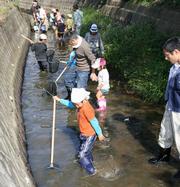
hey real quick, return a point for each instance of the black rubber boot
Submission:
(69, 94)
(176, 176)
(164, 156)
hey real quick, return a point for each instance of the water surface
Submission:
(131, 127)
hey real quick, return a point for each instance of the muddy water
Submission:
(130, 125)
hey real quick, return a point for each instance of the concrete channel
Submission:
(130, 125)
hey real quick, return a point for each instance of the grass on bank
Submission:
(5, 7)
(134, 54)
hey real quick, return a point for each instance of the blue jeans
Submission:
(85, 153)
(70, 77)
(82, 79)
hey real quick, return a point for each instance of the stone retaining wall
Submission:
(63, 5)
(166, 20)
(14, 171)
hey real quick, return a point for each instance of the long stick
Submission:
(39, 29)
(48, 92)
(53, 134)
(61, 74)
(27, 38)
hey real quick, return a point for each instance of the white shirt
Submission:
(103, 79)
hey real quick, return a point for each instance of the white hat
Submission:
(79, 94)
(53, 10)
(69, 15)
(43, 37)
(94, 28)
(96, 63)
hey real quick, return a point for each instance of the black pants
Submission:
(42, 65)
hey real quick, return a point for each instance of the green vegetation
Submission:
(5, 7)
(134, 54)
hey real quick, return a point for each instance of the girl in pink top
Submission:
(103, 82)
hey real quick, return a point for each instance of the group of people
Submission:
(53, 19)
(87, 57)
(40, 20)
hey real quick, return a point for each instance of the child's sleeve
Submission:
(90, 115)
(95, 124)
(67, 103)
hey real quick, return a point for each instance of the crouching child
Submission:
(88, 126)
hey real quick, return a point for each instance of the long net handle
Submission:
(53, 132)
(61, 74)
(27, 38)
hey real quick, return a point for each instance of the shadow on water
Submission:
(131, 128)
(143, 124)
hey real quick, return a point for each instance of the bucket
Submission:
(50, 54)
(53, 63)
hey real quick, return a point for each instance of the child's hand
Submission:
(93, 77)
(101, 137)
(56, 98)
(97, 88)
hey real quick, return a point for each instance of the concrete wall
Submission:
(63, 5)
(166, 20)
(14, 171)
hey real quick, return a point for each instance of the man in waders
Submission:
(77, 18)
(94, 39)
(170, 125)
(40, 49)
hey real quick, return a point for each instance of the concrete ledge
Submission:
(14, 171)
(165, 20)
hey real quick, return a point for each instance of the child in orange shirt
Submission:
(88, 125)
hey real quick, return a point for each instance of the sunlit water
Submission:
(131, 128)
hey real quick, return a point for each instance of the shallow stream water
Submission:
(130, 125)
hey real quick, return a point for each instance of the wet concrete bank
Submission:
(13, 158)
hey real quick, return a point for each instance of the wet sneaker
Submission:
(89, 175)
(95, 172)
(75, 161)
